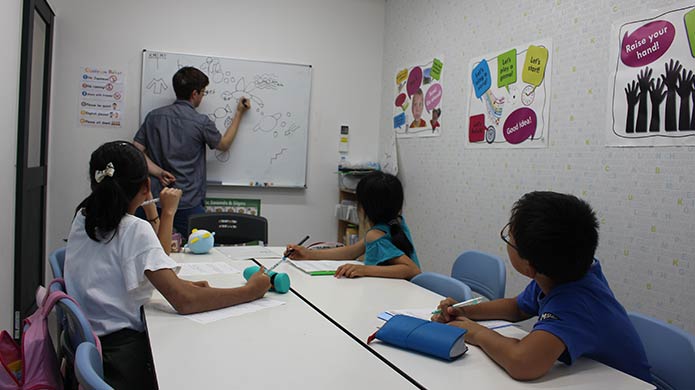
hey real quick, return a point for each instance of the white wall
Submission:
(459, 199)
(343, 40)
(10, 30)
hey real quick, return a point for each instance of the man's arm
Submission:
(155, 170)
(242, 106)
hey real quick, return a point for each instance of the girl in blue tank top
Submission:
(387, 246)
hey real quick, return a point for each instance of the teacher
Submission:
(173, 139)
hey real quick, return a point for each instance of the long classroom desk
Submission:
(286, 347)
(353, 305)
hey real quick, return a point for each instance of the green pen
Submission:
(321, 273)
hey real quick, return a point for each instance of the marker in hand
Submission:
(153, 200)
(469, 302)
(245, 102)
(284, 257)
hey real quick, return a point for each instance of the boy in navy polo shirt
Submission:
(551, 238)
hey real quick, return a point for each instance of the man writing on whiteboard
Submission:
(174, 137)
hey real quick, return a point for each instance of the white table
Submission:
(355, 303)
(291, 346)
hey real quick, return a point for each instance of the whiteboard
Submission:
(270, 148)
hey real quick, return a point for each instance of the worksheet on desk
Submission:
(249, 252)
(215, 268)
(310, 266)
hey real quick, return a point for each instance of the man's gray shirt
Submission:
(175, 137)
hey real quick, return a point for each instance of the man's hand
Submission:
(166, 178)
(243, 105)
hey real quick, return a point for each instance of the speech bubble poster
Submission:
(417, 110)
(652, 80)
(509, 98)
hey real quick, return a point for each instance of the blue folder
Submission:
(431, 338)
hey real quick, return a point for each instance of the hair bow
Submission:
(100, 175)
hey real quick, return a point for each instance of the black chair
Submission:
(231, 228)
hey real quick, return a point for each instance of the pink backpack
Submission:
(35, 365)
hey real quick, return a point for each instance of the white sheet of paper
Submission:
(249, 252)
(233, 311)
(426, 314)
(190, 269)
(320, 265)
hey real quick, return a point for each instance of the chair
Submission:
(482, 272)
(76, 330)
(232, 228)
(57, 261)
(443, 285)
(89, 368)
(670, 352)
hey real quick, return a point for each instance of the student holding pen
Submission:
(115, 260)
(387, 246)
(551, 238)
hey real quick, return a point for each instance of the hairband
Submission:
(108, 171)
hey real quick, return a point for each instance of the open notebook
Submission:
(320, 267)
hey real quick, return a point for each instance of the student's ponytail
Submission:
(381, 197)
(117, 171)
(398, 237)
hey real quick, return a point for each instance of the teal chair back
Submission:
(482, 272)
(89, 368)
(670, 352)
(57, 261)
(443, 285)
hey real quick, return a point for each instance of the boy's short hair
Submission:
(189, 79)
(556, 233)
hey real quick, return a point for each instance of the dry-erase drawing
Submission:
(157, 86)
(213, 69)
(267, 81)
(268, 123)
(270, 145)
(290, 130)
(277, 155)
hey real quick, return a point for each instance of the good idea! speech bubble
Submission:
(519, 126)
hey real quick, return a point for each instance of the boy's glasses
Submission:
(504, 235)
(203, 92)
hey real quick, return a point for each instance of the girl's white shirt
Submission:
(108, 278)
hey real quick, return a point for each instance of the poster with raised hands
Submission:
(417, 102)
(652, 97)
(509, 98)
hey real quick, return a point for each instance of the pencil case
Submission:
(427, 337)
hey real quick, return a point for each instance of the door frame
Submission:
(44, 11)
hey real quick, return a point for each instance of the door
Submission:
(32, 148)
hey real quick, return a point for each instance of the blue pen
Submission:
(284, 257)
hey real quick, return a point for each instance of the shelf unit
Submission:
(347, 216)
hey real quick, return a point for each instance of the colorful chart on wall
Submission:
(652, 80)
(270, 148)
(417, 101)
(509, 99)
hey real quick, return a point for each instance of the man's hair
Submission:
(556, 233)
(189, 79)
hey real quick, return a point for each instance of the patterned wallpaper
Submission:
(459, 199)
